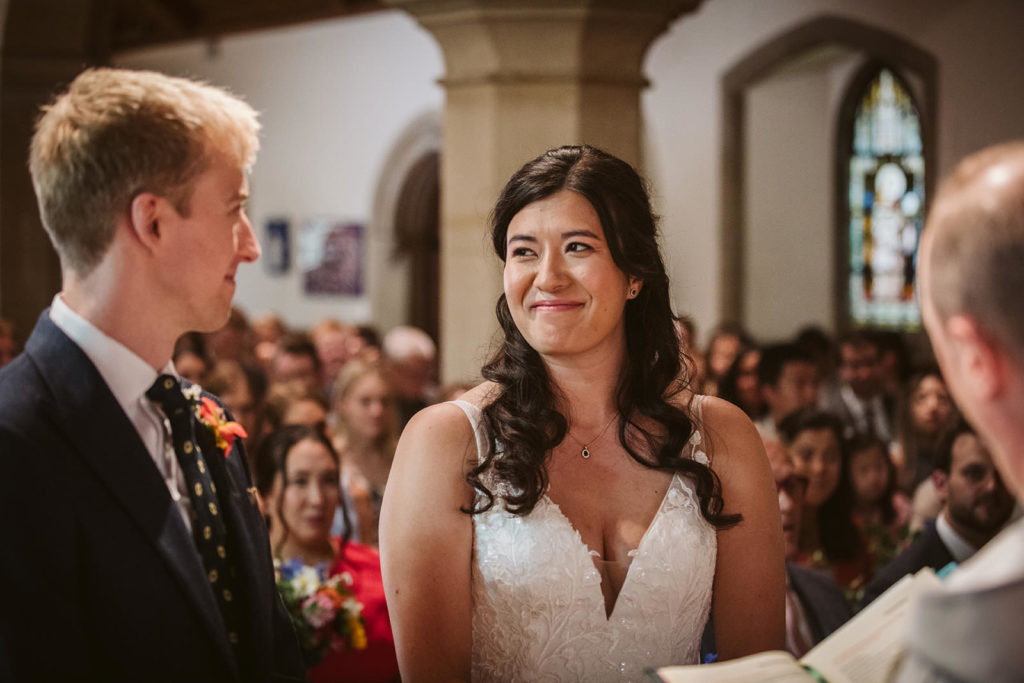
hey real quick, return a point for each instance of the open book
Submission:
(866, 649)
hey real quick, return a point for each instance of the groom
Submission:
(132, 549)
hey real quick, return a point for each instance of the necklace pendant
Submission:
(585, 452)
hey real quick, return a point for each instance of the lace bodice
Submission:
(538, 610)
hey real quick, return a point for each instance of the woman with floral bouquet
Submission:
(331, 586)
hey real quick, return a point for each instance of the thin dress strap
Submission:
(475, 416)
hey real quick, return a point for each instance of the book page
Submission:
(866, 648)
(766, 667)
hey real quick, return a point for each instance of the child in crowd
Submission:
(880, 512)
(829, 539)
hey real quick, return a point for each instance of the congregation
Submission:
(877, 473)
(344, 477)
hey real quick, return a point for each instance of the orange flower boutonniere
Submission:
(224, 430)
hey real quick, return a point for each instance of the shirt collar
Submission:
(126, 374)
(959, 548)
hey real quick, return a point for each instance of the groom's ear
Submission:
(144, 216)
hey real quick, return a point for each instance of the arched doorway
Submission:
(418, 241)
(406, 225)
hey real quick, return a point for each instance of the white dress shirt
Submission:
(957, 546)
(129, 377)
(859, 410)
(999, 562)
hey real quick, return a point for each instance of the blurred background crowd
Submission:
(877, 474)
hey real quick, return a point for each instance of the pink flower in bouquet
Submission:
(318, 609)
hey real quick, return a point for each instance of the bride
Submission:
(578, 515)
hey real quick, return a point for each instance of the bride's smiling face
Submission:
(564, 290)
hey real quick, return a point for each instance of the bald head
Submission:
(973, 247)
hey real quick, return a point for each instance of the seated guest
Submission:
(740, 387)
(976, 505)
(410, 360)
(726, 341)
(336, 343)
(365, 421)
(190, 359)
(689, 353)
(880, 512)
(228, 380)
(815, 604)
(829, 539)
(927, 411)
(859, 400)
(818, 344)
(297, 474)
(296, 360)
(267, 331)
(234, 340)
(293, 403)
(789, 381)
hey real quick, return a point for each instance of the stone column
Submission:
(523, 77)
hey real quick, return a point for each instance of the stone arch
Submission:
(875, 44)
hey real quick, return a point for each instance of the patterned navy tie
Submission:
(208, 528)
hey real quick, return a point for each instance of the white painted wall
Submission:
(334, 98)
(789, 204)
(980, 90)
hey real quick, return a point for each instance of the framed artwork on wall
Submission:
(332, 257)
(277, 258)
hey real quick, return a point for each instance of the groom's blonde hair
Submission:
(115, 133)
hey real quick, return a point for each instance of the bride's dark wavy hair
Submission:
(523, 420)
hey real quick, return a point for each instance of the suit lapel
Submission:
(99, 431)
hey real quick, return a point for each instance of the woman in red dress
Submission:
(296, 472)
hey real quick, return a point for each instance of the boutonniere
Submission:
(212, 417)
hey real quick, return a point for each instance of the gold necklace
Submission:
(586, 447)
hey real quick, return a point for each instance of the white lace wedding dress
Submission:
(538, 610)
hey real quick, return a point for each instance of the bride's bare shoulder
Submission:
(482, 395)
(444, 428)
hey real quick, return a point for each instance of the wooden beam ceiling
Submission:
(142, 23)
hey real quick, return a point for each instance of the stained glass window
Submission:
(886, 206)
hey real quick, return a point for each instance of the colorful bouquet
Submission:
(323, 609)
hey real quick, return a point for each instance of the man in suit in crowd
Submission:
(859, 399)
(133, 549)
(970, 282)
(975, 507)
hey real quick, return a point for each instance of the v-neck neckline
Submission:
(633, 553)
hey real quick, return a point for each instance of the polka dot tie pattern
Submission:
(208, 528)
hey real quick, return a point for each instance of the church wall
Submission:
(336, 96)
(788, 214)
(334, 99)
(980, 102)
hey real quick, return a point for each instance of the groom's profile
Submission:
(131, 548)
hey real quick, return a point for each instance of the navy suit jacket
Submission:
(927, 550)
(99, 574)
(825, 606)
